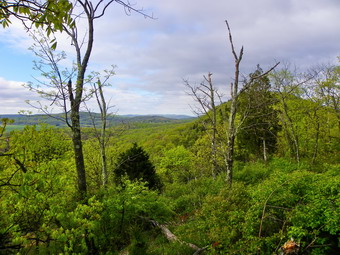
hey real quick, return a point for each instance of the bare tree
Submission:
(104, 108)
(206, 95)
(235, 91)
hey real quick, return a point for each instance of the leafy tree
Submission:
(135, 164)
(287, 86)
(50, 14)
(65, 93)
(306, 113)
(327, 88)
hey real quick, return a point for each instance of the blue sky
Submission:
(187, 40)
(15, 64)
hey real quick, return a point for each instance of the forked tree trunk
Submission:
(76, 97)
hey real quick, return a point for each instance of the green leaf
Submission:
(54, 45)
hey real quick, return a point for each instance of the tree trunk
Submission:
(230, 158)
(289, 124)
(76, 98)
(104, 167)
(214, 127)
(316, 145)
(78, 153)
(103, 113)
(231, 135)
(265, 158)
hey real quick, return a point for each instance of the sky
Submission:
(186, 40)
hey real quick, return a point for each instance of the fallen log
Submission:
(173, 238)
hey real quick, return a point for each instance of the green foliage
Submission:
(160, 245)
(186, 198)
(125, 211)
(261, 215)
(252, 173)
(48, 14)
(34, 185)
(4, 123)
(222, 216)
(39, 207)
(46, 145)
(176, 165)
(135, 164)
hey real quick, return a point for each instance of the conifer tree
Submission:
(260, 126)
(135, 164)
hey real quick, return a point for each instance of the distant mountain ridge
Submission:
(169, 116)
(87, 119)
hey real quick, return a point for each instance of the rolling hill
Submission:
(87, 119)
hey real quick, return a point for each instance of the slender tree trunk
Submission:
(292, 130)
(104, 166)
(316, 145)
(214, 170)
(265, 158)
(232, 131)
(231, 135)
(230, 157)
(103, 110)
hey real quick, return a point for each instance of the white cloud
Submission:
(189, 39)
(13, 96)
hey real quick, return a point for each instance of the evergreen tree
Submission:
(260, 126)
(135, 164)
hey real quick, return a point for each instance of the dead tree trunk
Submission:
(232, 129)
(214, 170)
(173, 238)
